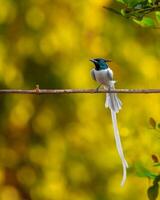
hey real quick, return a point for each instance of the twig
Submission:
(132, 12)
(149, 9)
(113, 10)
(39, 91)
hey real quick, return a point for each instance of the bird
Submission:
(104, 76)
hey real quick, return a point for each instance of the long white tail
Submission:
(119, 146)
(114, 103)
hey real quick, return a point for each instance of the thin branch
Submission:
(149, 9)
(113, 10)
(39, 91)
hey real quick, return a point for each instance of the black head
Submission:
(100, 63)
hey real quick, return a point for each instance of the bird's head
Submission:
(100, 63)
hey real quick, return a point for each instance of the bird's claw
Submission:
(97, 89)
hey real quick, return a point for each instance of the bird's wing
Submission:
(93, 74)
(109, 74)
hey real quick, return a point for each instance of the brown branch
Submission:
(39, 91)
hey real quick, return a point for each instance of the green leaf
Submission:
(125, 1)
(158, 125)
(158, 16)
(146, 22)
(126, 12)
(157, 165)
(156, 180)
(141, 171)
(152, 122)
(123, 12)
(152, 192)
(132, 3)
(121, 1)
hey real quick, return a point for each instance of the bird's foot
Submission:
(97, 89)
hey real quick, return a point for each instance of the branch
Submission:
(39, 91)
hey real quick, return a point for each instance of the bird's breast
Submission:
(102, 76)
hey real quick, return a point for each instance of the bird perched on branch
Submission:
(104, 75)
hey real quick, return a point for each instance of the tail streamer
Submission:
(119, 146)
(114, 104)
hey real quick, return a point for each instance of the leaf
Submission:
(155, 158)
(158, 16)
(157, 165)
(132, 3)
(158, 125)
(152, 192)
(146, 22)
(121, 1)
(141, 171)
(152, 122)
(156, 180)
(123, 12)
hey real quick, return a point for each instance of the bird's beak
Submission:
(93, 60)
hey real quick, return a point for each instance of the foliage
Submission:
(137, 10)
(154, 124)
(141, 171)
(153, 190)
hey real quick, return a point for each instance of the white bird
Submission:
(104, 75)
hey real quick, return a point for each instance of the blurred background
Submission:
(61, 147)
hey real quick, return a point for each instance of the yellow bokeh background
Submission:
(61, 147)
